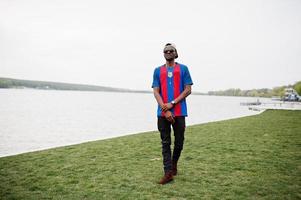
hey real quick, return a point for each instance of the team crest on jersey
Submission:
(169, 74)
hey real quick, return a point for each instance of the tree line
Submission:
(18, 83)
(264, 92)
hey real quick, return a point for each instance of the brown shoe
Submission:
(174, 169)
(166, 178)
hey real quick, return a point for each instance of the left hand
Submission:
(169, 117)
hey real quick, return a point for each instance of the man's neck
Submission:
(170, 63)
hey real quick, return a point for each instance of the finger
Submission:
(172, 119)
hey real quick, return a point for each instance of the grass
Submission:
(256, 157)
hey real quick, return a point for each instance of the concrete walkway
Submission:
(277, 105)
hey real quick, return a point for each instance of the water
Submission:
(39, 119)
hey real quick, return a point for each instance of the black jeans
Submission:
(164, 127)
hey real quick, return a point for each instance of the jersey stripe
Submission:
(170, 86)
(177, 90)
(163, 82)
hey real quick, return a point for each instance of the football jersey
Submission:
(171, 81)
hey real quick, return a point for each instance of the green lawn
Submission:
(256, 157)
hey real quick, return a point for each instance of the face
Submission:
(169, 53)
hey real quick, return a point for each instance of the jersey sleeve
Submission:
(156, 78)
(187, 77)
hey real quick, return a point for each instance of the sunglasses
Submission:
(168, 51)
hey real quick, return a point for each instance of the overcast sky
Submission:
(225, 44)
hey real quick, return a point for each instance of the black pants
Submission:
(164, 126)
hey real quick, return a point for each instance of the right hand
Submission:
(167, 106)
(169, 117)
(164, 108)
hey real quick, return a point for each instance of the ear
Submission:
(176, 54)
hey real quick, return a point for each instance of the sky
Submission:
(242, 44)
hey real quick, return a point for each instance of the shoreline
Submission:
(121, 135)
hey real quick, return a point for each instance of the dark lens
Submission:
(169, 51)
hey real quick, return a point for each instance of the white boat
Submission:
(291, 95)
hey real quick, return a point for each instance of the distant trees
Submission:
(5, 83)
(17, 83)
(297, 87)
(264, 92)
(278, 91)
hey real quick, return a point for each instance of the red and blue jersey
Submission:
(171, 81)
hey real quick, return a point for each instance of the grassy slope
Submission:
(257, 157)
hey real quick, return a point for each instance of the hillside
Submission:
(18, 83)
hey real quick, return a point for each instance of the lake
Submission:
(32, 120)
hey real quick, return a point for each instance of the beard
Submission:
(169, 57)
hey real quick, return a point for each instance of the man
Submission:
(171, 85)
